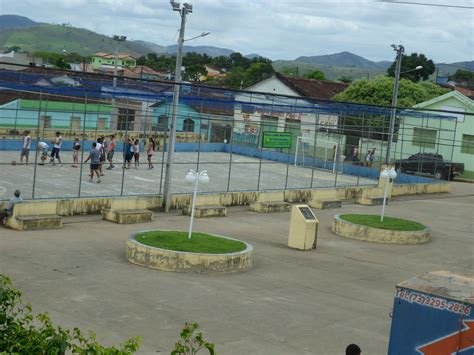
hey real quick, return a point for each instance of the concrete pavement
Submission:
(291, 302)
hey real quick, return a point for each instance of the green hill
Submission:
(331, 72)
(54, 38)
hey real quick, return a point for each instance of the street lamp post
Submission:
(117, 40)
(388, 176)
(183, 11)
(195, 177)
(400, 50)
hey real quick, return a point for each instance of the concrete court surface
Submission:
(291, 302)
(63, 181)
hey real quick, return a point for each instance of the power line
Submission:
(425, 4)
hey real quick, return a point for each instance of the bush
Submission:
(191, 342)
(23, 333)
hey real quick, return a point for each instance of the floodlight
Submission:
(392, 174)
(384, 174)
(174, 5)
(419, 67)
(190, 177)
(188, 7)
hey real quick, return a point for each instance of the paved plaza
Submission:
(245, 173)
(291, 302)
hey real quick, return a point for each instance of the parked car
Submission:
(429, 164)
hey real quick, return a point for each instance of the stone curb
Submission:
(356, 231)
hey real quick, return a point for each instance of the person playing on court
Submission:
(25, 150)
(111, 151)
(44, 147)
(136, 152)
(57, 142)
(150, 151)
(75, 152)
(95, 162)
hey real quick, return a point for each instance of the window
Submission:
(188, 125)
(75, 123)
(45, 121)
(126, 119)
(101, 123)
(424, 137)
(162, 123)
(467, 145)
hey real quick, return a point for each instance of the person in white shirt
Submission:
(57, 142)
(25, 150)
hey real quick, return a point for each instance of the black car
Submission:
(430, 164)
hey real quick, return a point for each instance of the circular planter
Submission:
(357, 231)
(179, 261)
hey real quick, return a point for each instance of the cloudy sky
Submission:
(278, 29)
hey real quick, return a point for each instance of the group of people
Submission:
(101, 151)
(368, 159)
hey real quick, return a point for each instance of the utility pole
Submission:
(400, 50)
(117, 40)
(183, 11)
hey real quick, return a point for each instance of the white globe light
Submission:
(190, 177)
(204, 178)
(392, 174)
(384, 174)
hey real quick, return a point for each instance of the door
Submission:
(293, 127)
(75, 123)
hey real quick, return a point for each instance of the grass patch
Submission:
(199, 243)
(467, 175)
(390, 223)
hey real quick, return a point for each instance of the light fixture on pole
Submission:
(183, 11)
(195, 177)
(400, 50)
(388, 176)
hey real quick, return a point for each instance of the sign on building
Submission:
(276, 140)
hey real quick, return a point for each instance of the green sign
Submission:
(276, 140)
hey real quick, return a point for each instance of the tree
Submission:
(411, 62)
(14, 49)
(315, 74)
(463, 75)
(379, 92)
(345, 79)
(194, 72)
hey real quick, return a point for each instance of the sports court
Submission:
(227, 172)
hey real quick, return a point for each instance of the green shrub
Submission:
(23, 333)
(191, 342)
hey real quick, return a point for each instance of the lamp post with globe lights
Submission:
(195, 177)
(388, 176)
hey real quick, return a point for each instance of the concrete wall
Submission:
(77, 206)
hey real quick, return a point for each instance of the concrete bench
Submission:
(270, 206)
(127, 210)
(206, 211)
(325, 204)
(34, 215)
(370, 200)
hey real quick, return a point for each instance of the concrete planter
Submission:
(178, 261)
(356, 231)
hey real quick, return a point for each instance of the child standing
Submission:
(76, 147)
(150, 150)
(136, 152)
(95, 162)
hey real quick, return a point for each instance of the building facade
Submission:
(100, 59)
(452, 137)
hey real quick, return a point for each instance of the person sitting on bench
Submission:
(4, 213)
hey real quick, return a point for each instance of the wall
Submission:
(25, 114)
(184, 112)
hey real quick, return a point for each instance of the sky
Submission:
(278, 29)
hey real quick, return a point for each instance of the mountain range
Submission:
(34, 36)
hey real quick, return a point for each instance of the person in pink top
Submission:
(150, 151)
